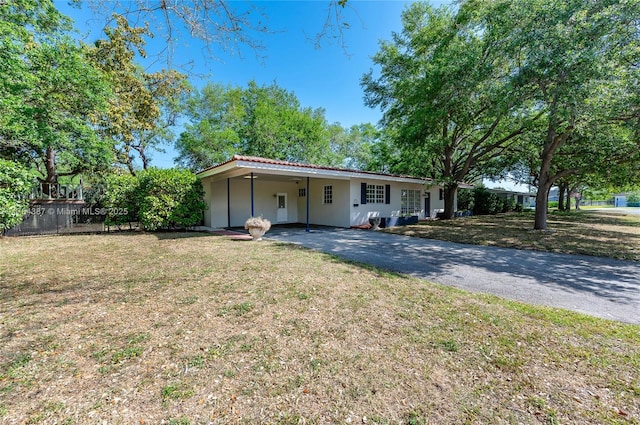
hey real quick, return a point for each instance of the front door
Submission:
(282, 207)
(427, 205)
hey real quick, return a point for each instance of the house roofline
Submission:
(242, 161)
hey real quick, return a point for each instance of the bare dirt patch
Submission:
(198, 329)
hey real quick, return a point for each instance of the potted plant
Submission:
(257, 227)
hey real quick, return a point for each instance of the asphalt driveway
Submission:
(597, 286)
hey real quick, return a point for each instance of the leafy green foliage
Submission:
(450, 102)
(545, 85)
(466, 200)
(133, 120)
(156, 198)
(15, 185)
(486, 202)
(633, 197)
(263, 121)
(50, 94)
(575, 61)
(120, 199)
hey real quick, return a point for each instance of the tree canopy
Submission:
(133, 121)
(51, 95)
(447, 94)
(493, 85)
(257, 120)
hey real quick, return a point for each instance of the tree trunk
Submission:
(561, 190)
(50, 165)
(50, 182)
(450, 201)
(568, 205)
(542, 203)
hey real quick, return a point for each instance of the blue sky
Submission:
(327, 77)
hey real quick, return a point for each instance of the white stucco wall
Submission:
(207, 200)
(361, 213)
(217, 204)
(334, 214)
(265, 201)
(341, 212)
(436, 202)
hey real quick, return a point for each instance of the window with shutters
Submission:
(375, 194)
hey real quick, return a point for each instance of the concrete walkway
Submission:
(597, 286)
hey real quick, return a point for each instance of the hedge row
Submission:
(483, 202)
(15, 186)
(156, 199)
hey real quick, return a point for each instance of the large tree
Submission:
(257, 120)
(133, 121)
(448, 94)
(51, 94)
(573, 58)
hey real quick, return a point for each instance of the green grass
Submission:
(615, 235)
(194, 328)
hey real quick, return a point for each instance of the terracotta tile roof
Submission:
(269, 161)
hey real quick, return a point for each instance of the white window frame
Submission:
(327, 194)
(375, 193)
(410, 201)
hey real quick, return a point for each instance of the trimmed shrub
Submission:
(507, 205)
(633, 198)
(156, 199)
(485, 202)
(15, 186)
(466, 200)
(120, 200)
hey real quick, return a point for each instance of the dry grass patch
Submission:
(198, 329)
(583, 232)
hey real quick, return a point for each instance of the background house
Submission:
(289, 192)
(527, 200)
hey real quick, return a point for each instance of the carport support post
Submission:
(228, 202)
(252, 194)
(308, 194)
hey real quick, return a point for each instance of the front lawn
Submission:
(198, 329)
(582, 232)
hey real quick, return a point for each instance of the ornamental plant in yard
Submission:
(156, 198)
(257, 226)
(15, 185)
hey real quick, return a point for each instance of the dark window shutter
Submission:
(363, 193)
(441, 194)
(387, 193)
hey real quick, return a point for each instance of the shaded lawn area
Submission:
(581, 232)
(197, 329)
